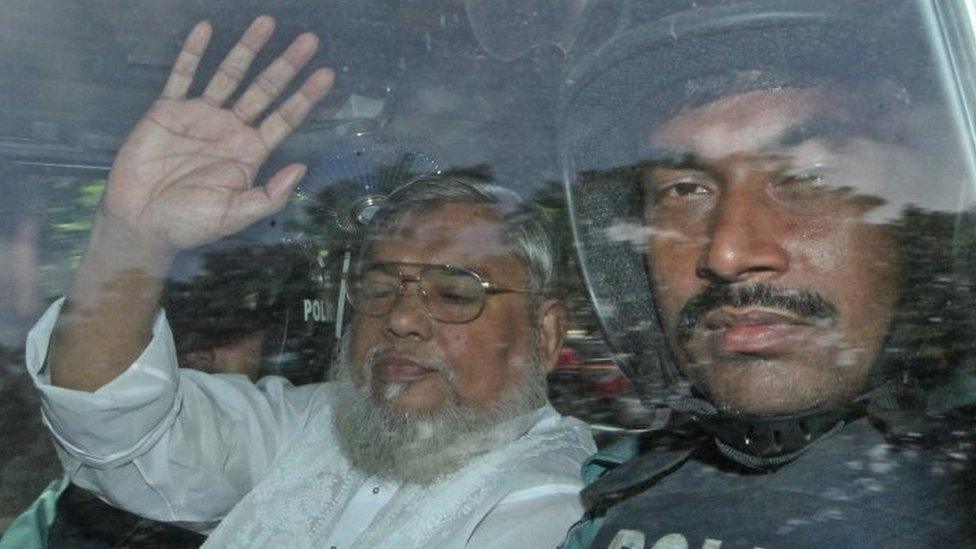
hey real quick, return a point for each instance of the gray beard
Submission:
(419, 450)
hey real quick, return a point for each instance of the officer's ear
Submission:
(552, 330)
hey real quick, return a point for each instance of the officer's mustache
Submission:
(807, 305)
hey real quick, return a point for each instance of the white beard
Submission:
(380, 442)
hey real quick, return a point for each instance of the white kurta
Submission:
(261, 463)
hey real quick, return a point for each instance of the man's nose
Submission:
(409, 319)
(745, 240)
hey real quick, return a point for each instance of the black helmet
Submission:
(240, 286)
(637, 64)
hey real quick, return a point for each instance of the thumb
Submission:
(281, 184)
(264, 200)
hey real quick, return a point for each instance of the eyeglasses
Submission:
(450, 294)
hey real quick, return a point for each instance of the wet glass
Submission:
(539, 98)
(416, 94)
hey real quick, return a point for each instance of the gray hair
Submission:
(525, 226)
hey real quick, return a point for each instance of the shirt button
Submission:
(376, 489)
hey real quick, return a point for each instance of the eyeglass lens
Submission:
(450, 294)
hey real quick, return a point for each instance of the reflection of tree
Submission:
(935, 327)
(236, 290)
(233, 291)
(68, 207)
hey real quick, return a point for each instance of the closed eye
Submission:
(457, 298)
(816, 182)
(376, 290)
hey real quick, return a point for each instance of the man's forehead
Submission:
(873, 146)
(464, 234)
(749, 122)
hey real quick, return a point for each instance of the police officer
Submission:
(773, 206)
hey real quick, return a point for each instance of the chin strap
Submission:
(766, 463)
(766, 442)
(762, 442)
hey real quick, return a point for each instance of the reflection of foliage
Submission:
(233, 291)
(236, 291)
(68, 205)
(933, 331)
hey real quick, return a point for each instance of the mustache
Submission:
(805, 304)
(380, 353)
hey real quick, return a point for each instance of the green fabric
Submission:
(29, 530)
(581, 535)
(609, 458)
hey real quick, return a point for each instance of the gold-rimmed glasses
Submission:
(449, 293)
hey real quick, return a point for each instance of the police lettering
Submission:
(633, 539)
(318, 310)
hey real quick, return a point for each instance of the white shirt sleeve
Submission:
(536, 518)
(170, 444)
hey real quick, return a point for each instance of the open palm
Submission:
(185, 175)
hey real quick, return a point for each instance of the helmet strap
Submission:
(769, 441)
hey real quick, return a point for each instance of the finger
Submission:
(233, 68)
(262, 201)
(276, 127)
(281, 184)
(187, 61)
(272, 81)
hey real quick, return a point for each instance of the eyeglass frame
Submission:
(487, 286)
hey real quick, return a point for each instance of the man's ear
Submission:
(552, 331)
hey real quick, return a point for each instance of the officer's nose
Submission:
(745, 239)
(409, 319)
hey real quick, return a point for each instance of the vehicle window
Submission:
(838, 188)
(418, 90)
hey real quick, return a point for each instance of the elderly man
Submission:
(436, 431)
(773, 226)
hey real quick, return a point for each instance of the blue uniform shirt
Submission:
(850, 489)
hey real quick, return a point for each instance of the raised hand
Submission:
(185, 174)
(183, 177)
